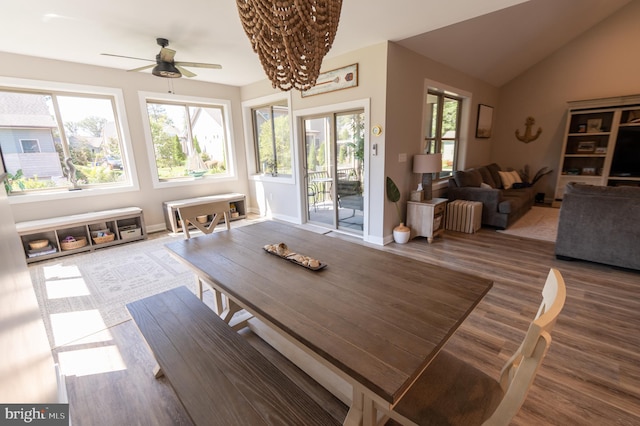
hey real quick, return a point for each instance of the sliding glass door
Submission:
(334, 165)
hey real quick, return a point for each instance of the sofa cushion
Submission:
(505, 206)
(468, 178)
(494, 169)
(486, 176)
(602, 191)
(509, 178)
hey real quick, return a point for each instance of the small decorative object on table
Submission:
(281, 250)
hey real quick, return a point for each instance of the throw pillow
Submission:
(509, 178)
(485, 186)
(494, 169)
(468, 178)
(486, 176)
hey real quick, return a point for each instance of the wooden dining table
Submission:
(374, 317)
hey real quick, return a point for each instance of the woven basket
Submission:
(70, 245)
(38, 244)
(105, 239)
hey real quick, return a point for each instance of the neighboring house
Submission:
(26, 136)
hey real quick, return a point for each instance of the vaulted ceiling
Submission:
(494, 40)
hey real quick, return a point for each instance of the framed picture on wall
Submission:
(485, 121)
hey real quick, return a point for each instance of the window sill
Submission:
(64, 194)
(288, 179)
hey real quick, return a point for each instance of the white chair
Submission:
(214, 212)
(452, 392)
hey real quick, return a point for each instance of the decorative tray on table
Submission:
(281, 250)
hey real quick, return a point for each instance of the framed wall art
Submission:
(338, 79)
(485, 121)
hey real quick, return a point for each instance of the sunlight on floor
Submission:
(85, 362)
(72, 326)
(59, 271)
(64, 281)
(72, 287)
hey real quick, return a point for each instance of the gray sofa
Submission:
(500, 207)
(600, 224)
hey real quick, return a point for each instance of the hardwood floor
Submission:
(591, 375)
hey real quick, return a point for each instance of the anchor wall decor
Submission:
(528, 137)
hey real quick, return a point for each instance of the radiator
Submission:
(464, 216)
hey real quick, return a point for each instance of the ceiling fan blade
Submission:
(142, 68)
(199, 65)
(185, 71)
(166, 55)
(127, 57)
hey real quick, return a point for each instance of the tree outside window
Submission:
(273, 139)
(442, 128)
(188, 139)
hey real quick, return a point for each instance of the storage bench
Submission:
(89, 231)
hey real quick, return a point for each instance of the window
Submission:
(443, 112)
(54, 139)
(273, 139)
(189, 139)
(29, 145)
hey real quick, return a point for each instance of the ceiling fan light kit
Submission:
(166, 66)
(291, 37)
(166, 69)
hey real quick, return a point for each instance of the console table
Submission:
(426, 218)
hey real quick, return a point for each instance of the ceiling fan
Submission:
(165, 65)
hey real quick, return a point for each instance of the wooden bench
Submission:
(217, 375)
(170, 208)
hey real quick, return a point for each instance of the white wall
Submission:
(27, 372)
(407, 73)
(148, 198)
(601, 63)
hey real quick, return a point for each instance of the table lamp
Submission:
(427, 164)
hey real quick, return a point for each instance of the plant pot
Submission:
(401, 233)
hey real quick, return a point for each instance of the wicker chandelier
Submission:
(291, 37)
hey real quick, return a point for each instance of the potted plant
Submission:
(401, 232)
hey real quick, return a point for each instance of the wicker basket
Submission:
(71, 245)
(38, 244)
(105, 239)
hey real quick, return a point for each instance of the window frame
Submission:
(70, 89)
(37, 142)
(170, 98)
(256, 146)
(464, 123)
(435, 144)
(251, 141)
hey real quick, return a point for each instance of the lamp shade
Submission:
(427, 163)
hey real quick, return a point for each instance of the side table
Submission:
(426, 218)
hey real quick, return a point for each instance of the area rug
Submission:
(84, 294)
(539, 223)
